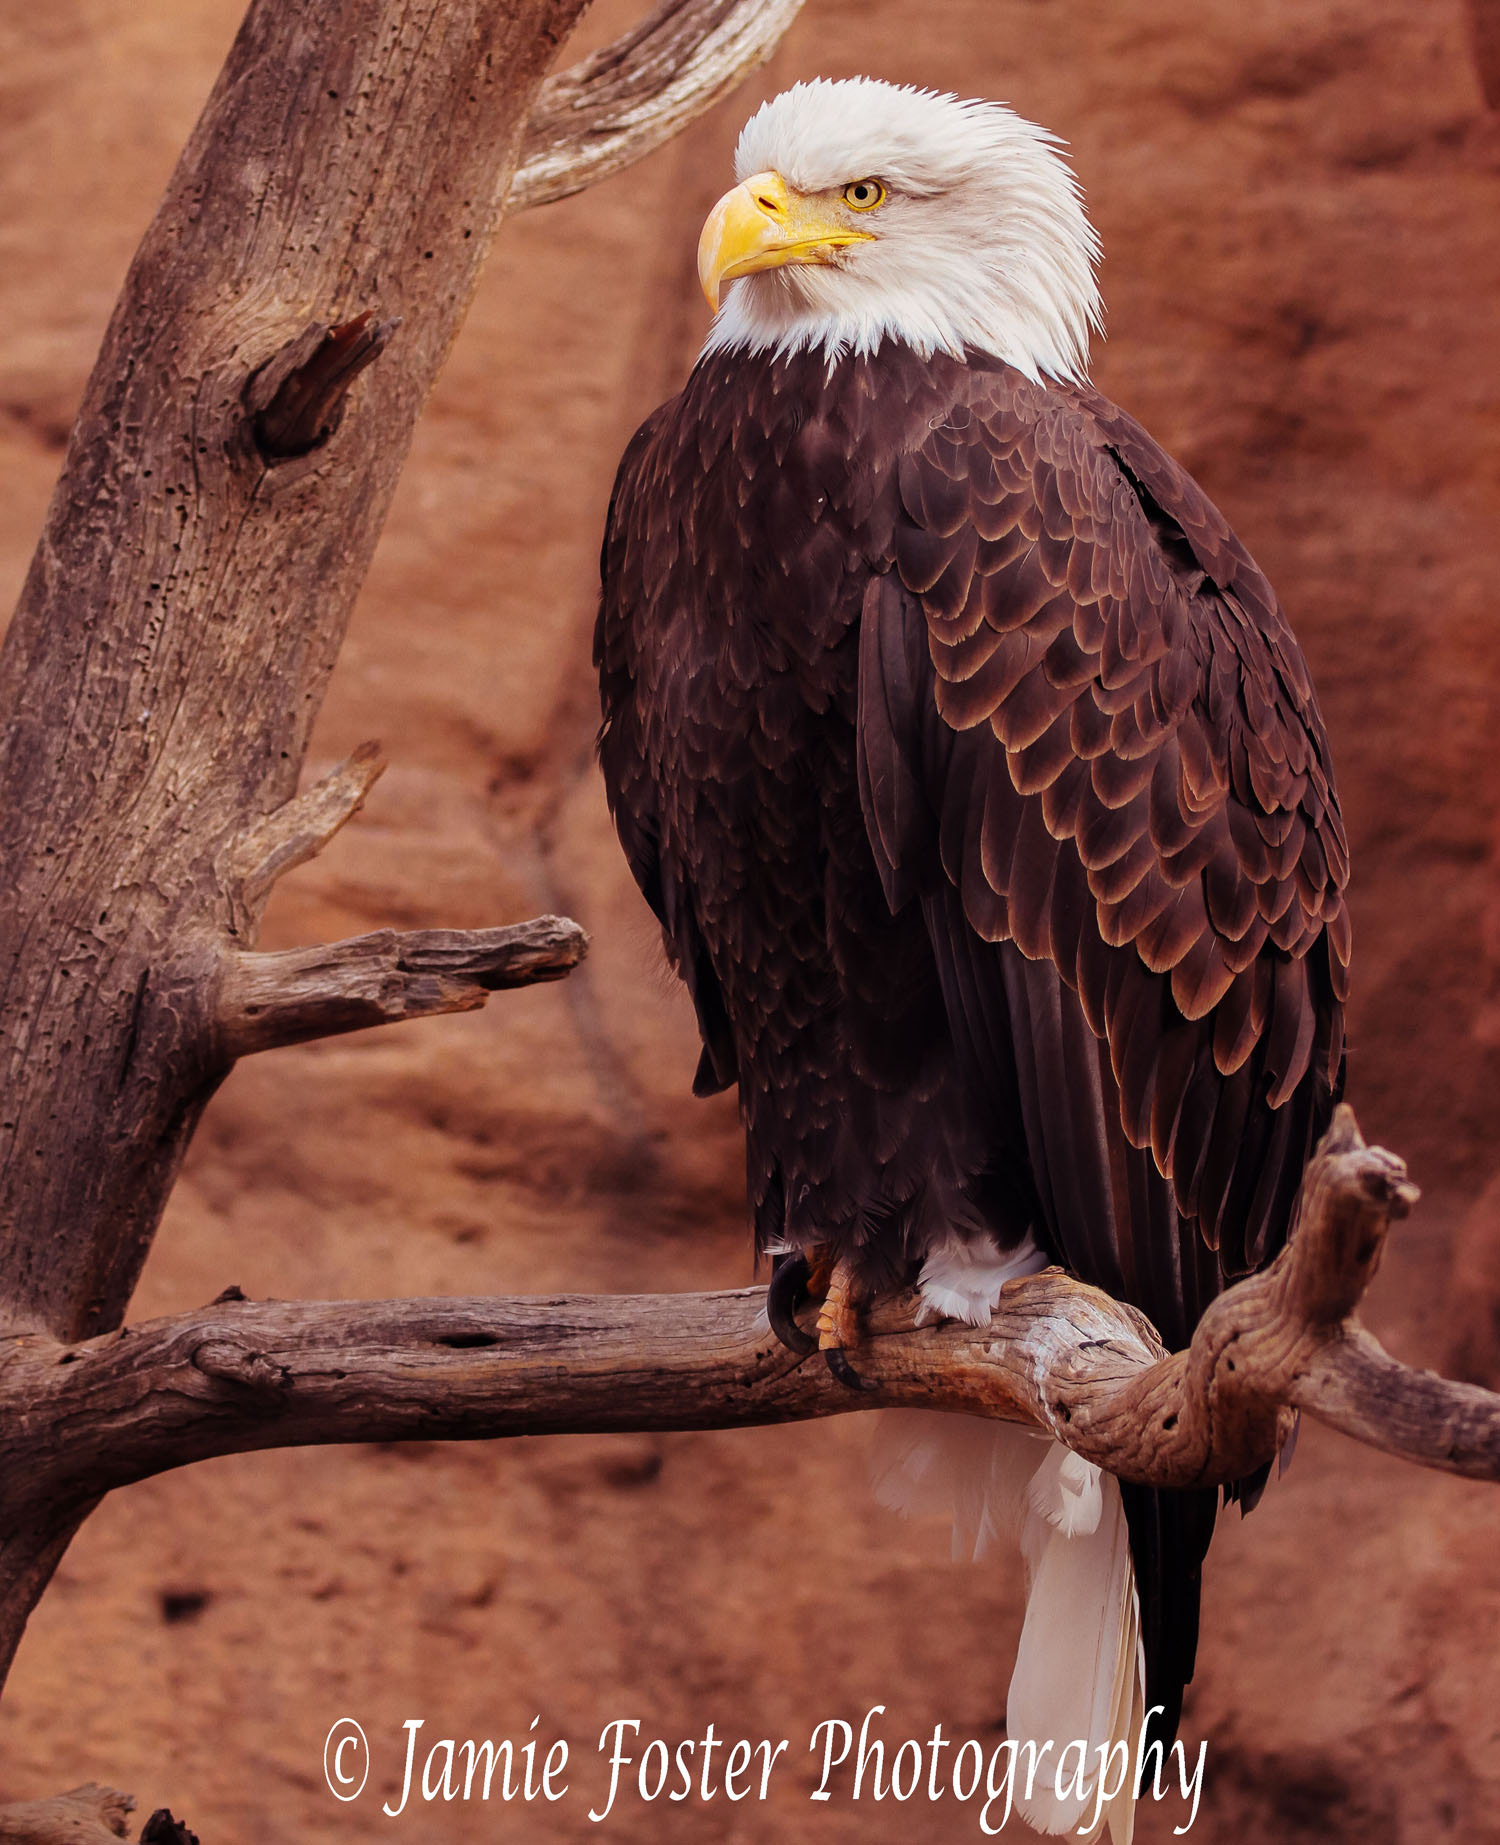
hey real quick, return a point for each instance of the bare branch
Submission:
(611, 109)
(1355, 1386)
(300, 829)
(267, 1000)
(87, 1815)
(186, 604)
(1066, 1359)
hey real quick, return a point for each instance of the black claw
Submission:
(838, 1363)
(787, 1292)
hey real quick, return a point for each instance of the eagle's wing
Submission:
(625, 760)
(1089, 746)
(1082, 711)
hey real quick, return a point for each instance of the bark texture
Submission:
(188, 598)
(86, 1815)
(620, 103)
(221, 495)
(1064, 1358)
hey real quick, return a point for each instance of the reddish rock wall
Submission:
(1299, 203)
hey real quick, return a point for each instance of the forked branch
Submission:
(263, 1001)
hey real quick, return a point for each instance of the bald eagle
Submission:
(977, 781)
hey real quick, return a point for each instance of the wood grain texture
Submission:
(86, 1815)
(615, 106)
(267, 1000)
(1066, 1359)
(187, 601)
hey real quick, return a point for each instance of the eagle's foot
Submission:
(838, 1324)
(800, 1276)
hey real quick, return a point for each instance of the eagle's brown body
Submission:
(978, 784)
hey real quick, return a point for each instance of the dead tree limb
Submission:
(185, 607)
(216, 514)
(1057, 1355)
(616, 106)
(219, 503)
(292, 835)
(87, 1815)
(230, 469)
(267, 1000)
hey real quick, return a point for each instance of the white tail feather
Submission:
(1079, 1672)
(1078, 1664)
(1079, 1675)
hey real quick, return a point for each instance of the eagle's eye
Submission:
(864, 194)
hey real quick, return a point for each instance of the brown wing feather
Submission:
(632, 787)
(1114, 780)
(1147, 735)
(974, 776)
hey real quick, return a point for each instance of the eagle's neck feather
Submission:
(1045, 337)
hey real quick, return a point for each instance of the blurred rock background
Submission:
(1300, 207)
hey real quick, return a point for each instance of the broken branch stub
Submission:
(268, 1000)
(87, 1815)
(294, 833)
(296, 399)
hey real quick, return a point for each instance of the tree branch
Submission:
(296, 832)
(1064, 1358)
(87, 1815)
(611, 109)
(266, 1000)
(201, 555)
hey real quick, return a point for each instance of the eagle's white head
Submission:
(867, 212)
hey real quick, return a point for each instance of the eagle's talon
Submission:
(838, 1323)
(839, 1365)
(786, 1293)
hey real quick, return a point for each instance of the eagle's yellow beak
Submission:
(763, 224)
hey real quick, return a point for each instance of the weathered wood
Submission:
(296, 400)
(617, 105)
(187, 601)
(87, 1815)
(1062, 1357)
(292, 834)
(221, 495)
(266, 1000)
